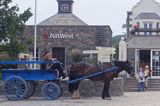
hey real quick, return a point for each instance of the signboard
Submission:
(47, 35)
(104, 53)
(61, 36)
(90, 52)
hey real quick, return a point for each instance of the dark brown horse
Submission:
(80, 69)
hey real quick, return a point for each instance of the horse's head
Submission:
(125, 65)
(129, 68)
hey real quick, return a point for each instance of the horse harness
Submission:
(115, 73)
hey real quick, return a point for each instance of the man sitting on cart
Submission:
(47, 56)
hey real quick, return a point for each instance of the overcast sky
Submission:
(93, 12)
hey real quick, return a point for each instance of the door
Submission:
(155, 63)
(136, 61)
(59, 53)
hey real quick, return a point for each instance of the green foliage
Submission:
(115, 43)
(14, 48)
(11, 27)
(76, 55)
(116, 39)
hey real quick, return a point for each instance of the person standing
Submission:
(147, 72)
(141, 79)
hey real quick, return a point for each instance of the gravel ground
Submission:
(129, 99)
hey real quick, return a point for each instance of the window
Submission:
(100, 37)
(155, 63)
(147, 28)
(31, 50)
(157, 26)
(150, 27)
(90, 58)
(138, 26)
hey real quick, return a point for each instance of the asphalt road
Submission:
(129, 99)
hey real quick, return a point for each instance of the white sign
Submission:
(106, 49)
(61, 36)
(104, 53)
(90, 52)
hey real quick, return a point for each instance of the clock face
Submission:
(64, 8)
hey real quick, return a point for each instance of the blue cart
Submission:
(21, 83)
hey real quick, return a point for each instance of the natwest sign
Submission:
(61, 36)
(47, 35)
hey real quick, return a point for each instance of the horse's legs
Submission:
(105, 94)
(78, 95)
(75, 94)
(73, 89)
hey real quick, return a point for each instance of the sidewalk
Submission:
(129, 99)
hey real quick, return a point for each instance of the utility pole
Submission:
(35, 32)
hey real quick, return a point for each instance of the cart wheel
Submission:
(31, 89)
(15, 88)
(51, 91)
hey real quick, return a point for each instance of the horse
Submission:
(81, 69)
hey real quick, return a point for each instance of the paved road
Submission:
(129, 99)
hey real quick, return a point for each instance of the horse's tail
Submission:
(71, 68)
(67, 69)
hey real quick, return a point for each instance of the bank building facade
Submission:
(64, 32)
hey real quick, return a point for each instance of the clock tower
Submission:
(65, 6)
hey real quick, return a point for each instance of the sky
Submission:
(93, 12)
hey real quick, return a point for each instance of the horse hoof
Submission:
(75, 97)
(107, 98)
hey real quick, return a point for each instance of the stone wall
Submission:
(83, 37)
(88, 88)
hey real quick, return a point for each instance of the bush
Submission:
(76, 55)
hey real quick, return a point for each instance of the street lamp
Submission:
(35, 32)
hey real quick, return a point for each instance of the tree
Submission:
(115, 43)
(76, 55)
(11, 27)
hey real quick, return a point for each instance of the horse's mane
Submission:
(119, 62)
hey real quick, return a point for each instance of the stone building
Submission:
(64, 32)
(143, 37)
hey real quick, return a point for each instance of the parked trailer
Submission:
(21, 83)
